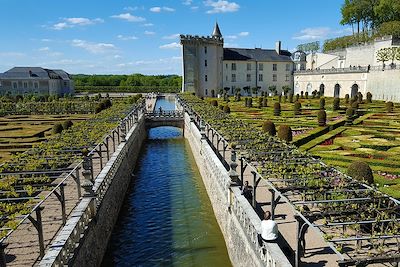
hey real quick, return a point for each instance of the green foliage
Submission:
(67, 124)
(265, 102)
(361, 171)
(272, 89)
(336, 103)
(269, 128)
(306, 95)
(389, 106)
(346, 98)
(227, 109)
(322, 103)
(369, 97)
(57, 128)
(214, 103)
(277, 109)
(309, 47)
(297, 108)
(285, 133)
(345, 41)
(321, 117)
(390, 28)
(290, 98)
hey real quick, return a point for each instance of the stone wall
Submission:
(95, 244)
(238, 221)
(84, 238)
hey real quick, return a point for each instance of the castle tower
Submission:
(202, 63)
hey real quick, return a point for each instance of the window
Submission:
(260, 77)
(226, 65)
(36, 85)
(205, 50)
(233, 77)
(205, 63)
(274, 67)
(287, 67)
(25, 84)
(248, 77)
(248, 66)
(15, 85)
(233, 66)
(274, 77)
(261, 66)
(206, 92)
(287, 77)
(226, 78)
(205, 78)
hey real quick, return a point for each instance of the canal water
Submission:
(167, 218)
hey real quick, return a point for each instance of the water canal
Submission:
(167, 218)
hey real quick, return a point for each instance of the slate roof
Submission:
(34, 72)
(256, 54)
(216, 31)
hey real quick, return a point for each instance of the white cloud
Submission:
(11, 54)
(44, 49)
(130, 8)
(313, 33)
(126, 38)
(194, 8)
(117, 56)
(74, 22)
(236, 36)
(46, 40)
(221, 6)
(94, 48)
(158, 9)
(149, 33)
(172, 36)
(173, 45)
(231, 45)
(148, 24)
(187, 2)
(129, 17)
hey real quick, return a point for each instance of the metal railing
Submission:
(165, 114)
(68, 196)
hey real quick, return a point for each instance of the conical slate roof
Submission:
(216, 31)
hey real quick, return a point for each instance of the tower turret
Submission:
(216, 31)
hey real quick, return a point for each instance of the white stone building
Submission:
(35, 81)
(351, 70)
(209, 67)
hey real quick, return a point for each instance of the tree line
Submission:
(127, 80)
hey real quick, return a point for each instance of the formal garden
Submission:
(320, 126)
(359, 222)
(58, 143)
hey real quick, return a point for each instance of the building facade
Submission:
(209, 67)
(35, 81)
(352, 70)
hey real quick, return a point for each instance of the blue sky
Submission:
(124, 37)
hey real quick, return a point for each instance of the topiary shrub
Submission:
(277, 109)
(57, 128)
(99, 107)
(269, 128)
(321, 117)
(389, 106)
(285, 133)
(265, 102)
(227, 109)
(349, 116)
(246, 102)
(322, 103)
(284, 98)
(360, 97)
(354, 105)
(67, 124)
(306, 95)
(290, 98)
(214, 103)
(361, 171)
(297, 108)
(369, 97)
(346, 98)
(250, 102)
(336, 103)
(301, 94)
(280, 98)
(260, 102)
(221, 107)
(297, 98)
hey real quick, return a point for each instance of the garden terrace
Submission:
(359, 223)
(39, 188)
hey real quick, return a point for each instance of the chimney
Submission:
(30, 73)
(278, 47)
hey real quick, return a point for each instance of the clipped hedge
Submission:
(269, 127)
(361, 171)
(285, 133)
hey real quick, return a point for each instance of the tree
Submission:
(286, 89)
(255, 90)
(309, 47)
(382, 55)
(246, 89)
(272, 89)
(387, 10)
